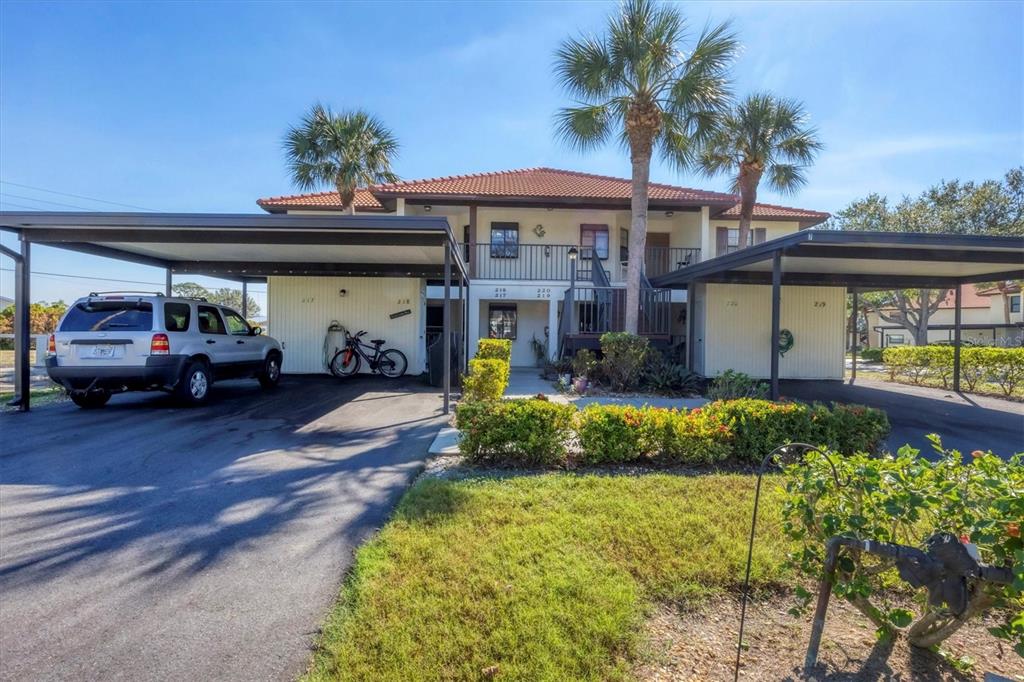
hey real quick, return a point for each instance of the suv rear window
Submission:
(98, 316)
(177, 316)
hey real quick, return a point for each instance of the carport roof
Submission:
(252, 246)
(863, 260)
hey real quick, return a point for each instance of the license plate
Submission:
(103, 351)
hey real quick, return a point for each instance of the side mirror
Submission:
(256, 331)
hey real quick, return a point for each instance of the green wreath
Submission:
(785, 341)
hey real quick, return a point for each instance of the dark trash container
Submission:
(435, 360)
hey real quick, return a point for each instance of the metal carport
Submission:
(242, 247)
(858, 261)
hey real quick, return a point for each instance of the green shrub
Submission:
(662, 375)
(583, 363)
(848, 428)
(760, 426)
(730, 385)
(529, 432)
(905, 499)
(487, 380)
(870, 354)
(623, 359)
(1001, 366)
(494, 349)
(610, 434)
(694, 437)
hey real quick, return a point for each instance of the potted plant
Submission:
(582, 365)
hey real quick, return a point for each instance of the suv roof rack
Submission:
(201, 299)
(139, 293)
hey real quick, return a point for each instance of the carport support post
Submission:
(245, 300)
(855, 338)
(956, 338)
(776, 317)
(447, 330)
(167, 282)
(23, 327)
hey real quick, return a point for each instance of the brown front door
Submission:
(657, 256)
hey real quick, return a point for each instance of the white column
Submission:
(553, 328)
(474, 320)
(707, 249)
(400, 206)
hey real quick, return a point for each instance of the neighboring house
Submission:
(983, 320)
(518, 230)
(6, 302)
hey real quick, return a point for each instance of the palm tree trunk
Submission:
(641, 160)
(750, 177)
(1004, 290)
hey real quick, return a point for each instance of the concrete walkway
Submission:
(146, 541)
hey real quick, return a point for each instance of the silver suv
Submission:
(113, 342)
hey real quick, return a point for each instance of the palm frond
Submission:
(584, 68)
(785, 178)
(584, 127)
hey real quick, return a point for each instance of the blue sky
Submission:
(181, 106)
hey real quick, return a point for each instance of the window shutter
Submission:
(721, 240)
(759, 234)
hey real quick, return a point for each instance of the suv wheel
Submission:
(194, 386)
(91, 400)
(271, 373)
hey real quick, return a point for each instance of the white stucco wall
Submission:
(301, 309)
(734, 331)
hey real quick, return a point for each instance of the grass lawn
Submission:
(548, 577)
(38, 396)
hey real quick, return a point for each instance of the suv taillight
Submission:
(51, 346)
(160, 345)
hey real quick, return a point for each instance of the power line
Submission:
(106, 279)
(76, 196)
(45, 201)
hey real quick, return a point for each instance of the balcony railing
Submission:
(597, 310)
(551, 261)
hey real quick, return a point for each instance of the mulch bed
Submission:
(700, 644)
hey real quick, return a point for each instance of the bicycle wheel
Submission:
(392, 363)
(345, 363)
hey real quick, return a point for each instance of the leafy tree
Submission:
(43, 317)
(345, 151)
(994, 207)
(232, 298)
(637, 83)
(762, 134)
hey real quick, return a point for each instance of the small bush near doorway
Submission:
(494, 349)
(623, 355)
(487, 380)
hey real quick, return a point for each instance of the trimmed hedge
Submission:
(487, 380)
(494, 349)
(978, 364)
(536, 431)
(531, 432)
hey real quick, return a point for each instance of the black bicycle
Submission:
(348, 360)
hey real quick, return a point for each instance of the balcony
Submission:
(551, 262)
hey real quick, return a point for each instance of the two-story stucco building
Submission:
(529, 237)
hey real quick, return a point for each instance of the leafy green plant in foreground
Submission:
(905, 499)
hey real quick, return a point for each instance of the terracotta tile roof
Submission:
(546, 183)
(1013, 288)
(365, 201)
(779, 212)
(538, 184)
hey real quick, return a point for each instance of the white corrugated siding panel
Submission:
(301, 309)
(738, 323)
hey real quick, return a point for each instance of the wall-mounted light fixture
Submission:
(547, 250)
(669, 214)
(343, 292)
(426, 209)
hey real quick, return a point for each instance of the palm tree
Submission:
(636, 82)
(345, 151)
(762, 134)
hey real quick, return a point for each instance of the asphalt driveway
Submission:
(146, 541)
(965, 422)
